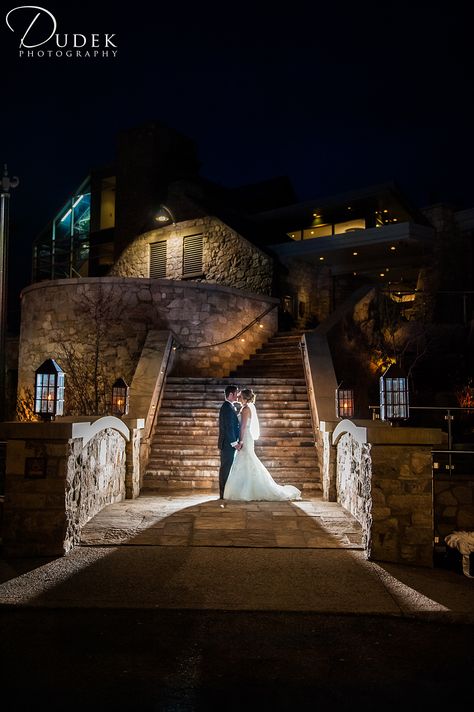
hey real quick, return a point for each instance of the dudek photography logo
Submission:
(37, 30)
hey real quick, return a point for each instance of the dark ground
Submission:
(79, 659)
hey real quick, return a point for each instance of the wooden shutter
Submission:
(192, 256)
(158, 259)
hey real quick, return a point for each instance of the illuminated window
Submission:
(349, 226)
(62, 249)
(317, 231)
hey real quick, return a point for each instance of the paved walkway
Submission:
(201, 519)
(186, 552)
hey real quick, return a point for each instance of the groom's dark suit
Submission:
(229, 431)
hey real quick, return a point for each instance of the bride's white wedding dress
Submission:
(249, 479)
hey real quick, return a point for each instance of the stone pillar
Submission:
(327, 457)
(133, 474)
(58, 476)
(384, 478)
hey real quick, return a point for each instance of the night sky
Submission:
(336, 97)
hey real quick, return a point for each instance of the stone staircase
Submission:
(184, 453)
(279, 357)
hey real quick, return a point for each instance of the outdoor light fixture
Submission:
(164, 215)
(49, 390)
(394, 395)
(120, 392)
(344, 402)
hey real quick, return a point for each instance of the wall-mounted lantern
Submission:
(394, 400)
(120, 396)
(164, 216)
(344, 401)
(49, 390)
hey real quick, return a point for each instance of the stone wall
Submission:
(310, 288)
(384, 478)
(228, 258)
(453, 504)
(56, 480)
(114, 315)
(402, 504)
(354, 480)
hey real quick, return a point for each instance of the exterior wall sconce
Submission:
(394, 397)
(164, 216)
(344, 402)
(120, 397)
(49, 390)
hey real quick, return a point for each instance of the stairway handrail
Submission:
(149, 433)
(231, 338)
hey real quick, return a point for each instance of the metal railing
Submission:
(447, 455)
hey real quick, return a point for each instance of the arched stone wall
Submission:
(114, 314)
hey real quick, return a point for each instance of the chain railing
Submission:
(257, 320)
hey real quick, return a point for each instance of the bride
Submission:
(249, 479)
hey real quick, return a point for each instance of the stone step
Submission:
(171, 450)
(269, 435)
(279, 474)
(223, 382)
(298, 401)
(206, 422)
(291, 464)
(240, 374)
(297, 411)
(216, 392)
(152, 478)
(256, 365)
(288, 400)
(288, 353)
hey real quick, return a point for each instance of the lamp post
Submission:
(6, 184)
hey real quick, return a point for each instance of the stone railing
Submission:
(58, 476)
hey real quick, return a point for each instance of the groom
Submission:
(229, 432)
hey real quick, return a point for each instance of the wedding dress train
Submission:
(249, 479)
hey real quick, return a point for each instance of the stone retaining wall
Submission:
(114, 315)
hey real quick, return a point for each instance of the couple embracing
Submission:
(242, 476)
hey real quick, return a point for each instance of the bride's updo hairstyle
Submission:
(248, 395)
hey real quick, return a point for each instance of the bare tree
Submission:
(82, 356)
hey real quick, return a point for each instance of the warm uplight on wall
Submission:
(392, 247)
(321, 258)
(355, 254)
(382, 274)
